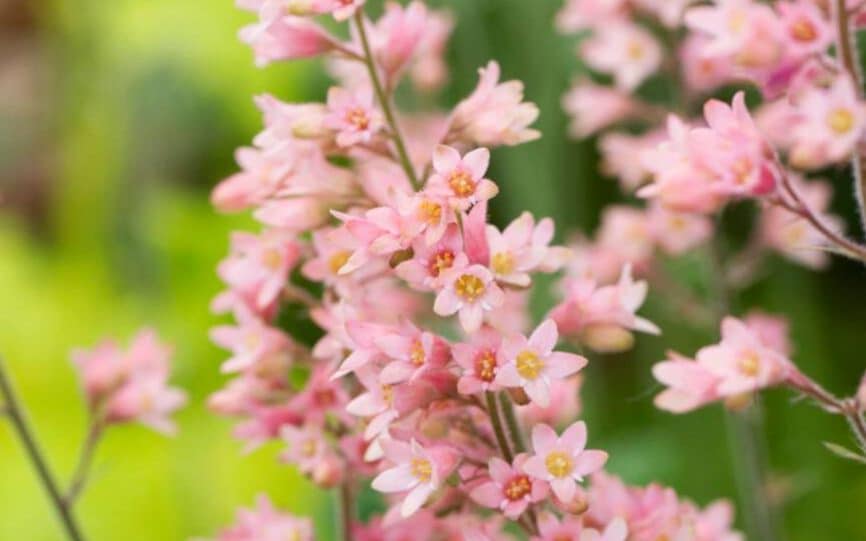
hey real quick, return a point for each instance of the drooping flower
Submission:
(495, 113)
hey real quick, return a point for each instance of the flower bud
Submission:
(328, 473)
(519, 396)
(607, 338)
(739, 402)
(577, 506)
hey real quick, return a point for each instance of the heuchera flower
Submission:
(510, 488)
(461, 179)
(625, 51)
(603, 317)
(130, 385)
(417, 471)
(563, 461)
(469, 291)
(532, 365)
(740, 364)
(265, 523)
(495, 113)
(352, 115)
(594, 107)
(286, 38)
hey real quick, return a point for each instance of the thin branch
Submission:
(385, 102)
(498, 427)
(34, 453)
(85, 461)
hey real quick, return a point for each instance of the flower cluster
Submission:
(130, 385)
(425, 375)
(265, 523)
(695, 156)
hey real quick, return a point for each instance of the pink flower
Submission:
(479, 360)
(794, 237)
(398, 34)
(495, 113)
(807, 31)
(690, 384)
(286, 38)
(741, 363)
(773, 331)
(669, 12)
(461, 179)
(678, 232)
(594, 107)
(417, 471)
(352, 114)
(532, 364)
(831, 123)
(376, 403)
(146, 399)
(253, 345)
(621, 157)
(564, 404)
(510, 488)
(430, 263)
(625, 51)
(259, 265)
(523, 248)
(469, 291)
(307, 447)
(381, 231)
(412, 353)
(578, 15)
(563, 461)
(747, 31)
(603, 317)
(264, 523)
(616, 530)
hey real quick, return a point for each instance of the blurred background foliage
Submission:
(116, 118)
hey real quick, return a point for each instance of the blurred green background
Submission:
(116, 118)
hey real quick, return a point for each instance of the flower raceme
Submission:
(425, 372)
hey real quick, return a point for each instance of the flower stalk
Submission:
(18, 418)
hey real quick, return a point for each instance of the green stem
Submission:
(346, 510)
(19, 422)
(511, 422)
(745, 434)
(385, 102)
(498, 428)
(85, 461)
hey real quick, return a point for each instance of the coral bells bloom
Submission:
(495, 113)
(594, 107)
(603, 317)
(417, 471)
(740, 364)
(251, 343)
(264, 523)
(533, 365)
(461, 179)
(130, 385)
(352, 115)
(479, 360)
(625, 51)
(469, 291)
(830, 123)
(563, 461)
(699, 169)
(286, 38)
(510, 488)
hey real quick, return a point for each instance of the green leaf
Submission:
(844, 452)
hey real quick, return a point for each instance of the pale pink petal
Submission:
(544, 439)
(447, 303)
(544, 338)
(561, 365)
(477, 161)
(396, 479)
(574, 438)
(445, 159)
(415, 499)
(489, 495)
(590, 462)
(565, 489)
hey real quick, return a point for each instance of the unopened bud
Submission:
(739, 402)
(577, 506)
(328, 473)
(607, 338)
(401, 256)
(519, 396)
